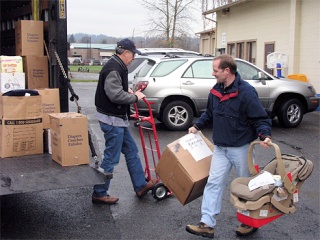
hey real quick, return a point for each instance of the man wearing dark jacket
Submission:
(112, 99)
(238, 118)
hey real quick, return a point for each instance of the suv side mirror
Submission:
(261, 77)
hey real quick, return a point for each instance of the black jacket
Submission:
(112, 97)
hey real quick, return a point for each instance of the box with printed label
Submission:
(29, 38)
(12, 81)
(50, 104)
(19, 137)
(36, 70)
(69, 138)
(184, 166)
(21, 130)
(10, 64)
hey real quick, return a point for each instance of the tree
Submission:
(170, 18)
(86, 39)
(72, 39)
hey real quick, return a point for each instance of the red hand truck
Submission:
(159, 191)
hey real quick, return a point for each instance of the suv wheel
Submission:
(290, 113)
(177, 116)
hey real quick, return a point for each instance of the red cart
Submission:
(151, 149)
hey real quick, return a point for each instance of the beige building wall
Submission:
(292, 25)
(207, 42)
(309, 55)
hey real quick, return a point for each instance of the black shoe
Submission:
(245, 230)
(201, 230)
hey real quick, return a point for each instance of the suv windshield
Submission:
(164, 68)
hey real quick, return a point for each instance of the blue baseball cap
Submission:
(128, 45)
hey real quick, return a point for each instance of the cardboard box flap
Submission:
(67, 115)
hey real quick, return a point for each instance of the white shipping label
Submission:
(263, 213)
(196, 146)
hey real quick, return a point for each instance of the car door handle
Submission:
(188, 83)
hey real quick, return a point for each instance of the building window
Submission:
(231, 49)
(240, 50)
(243, 49)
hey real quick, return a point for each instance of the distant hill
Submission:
(186, 43)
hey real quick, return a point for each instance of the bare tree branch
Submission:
(168, 18)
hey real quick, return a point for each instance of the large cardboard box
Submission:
(36, 70)
(14, 107)
(184, 166)
(12, 81)
(21, 130)
(69, 138)
(29, 38)
(10, 64)
(50, 104)
(19, 137)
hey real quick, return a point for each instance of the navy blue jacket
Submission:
(236, 115)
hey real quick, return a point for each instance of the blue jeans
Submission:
(117, 140)
(223, 159)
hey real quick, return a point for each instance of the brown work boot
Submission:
(245, 230)
(147, 188)
(201, 230)
(106, 199)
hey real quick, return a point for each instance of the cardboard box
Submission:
(10, 64)
(19, 137)
(21, 130)
(29, 38)
(184, 166)
(36, 70)
(69, 138)
(21, 107)
(12, 81)
(50, 104)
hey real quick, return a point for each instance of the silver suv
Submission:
(179, 89)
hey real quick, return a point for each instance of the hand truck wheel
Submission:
(160, 191)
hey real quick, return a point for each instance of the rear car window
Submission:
(200, 69)
(146, 68)
(164, 68)
(134, 64)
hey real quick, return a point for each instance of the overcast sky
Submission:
(120, 18)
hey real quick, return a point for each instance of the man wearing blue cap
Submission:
(112, 99)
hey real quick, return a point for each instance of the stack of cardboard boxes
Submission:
(29, 45)
(25, 121)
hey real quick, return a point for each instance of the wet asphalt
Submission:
(69, 213)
